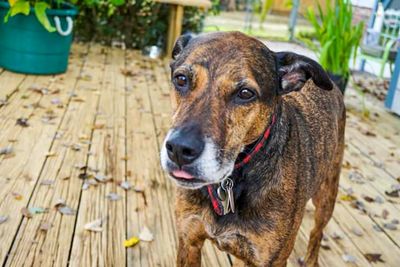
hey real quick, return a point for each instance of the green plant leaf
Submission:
(117, 2)
(19, 7)
(40, 12)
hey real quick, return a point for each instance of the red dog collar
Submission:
(216, 201)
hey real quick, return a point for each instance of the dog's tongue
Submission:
(182, 174)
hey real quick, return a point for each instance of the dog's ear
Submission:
(180, 44)
(294, 70)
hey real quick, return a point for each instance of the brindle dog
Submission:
(279, 119)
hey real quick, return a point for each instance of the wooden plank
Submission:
(18, 174)
(337, 247)
(378, 149)
(33, 246)
(9, 85)
(372, 187)
(107, 154)
(151, 209)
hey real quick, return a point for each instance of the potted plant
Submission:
(338, 38)
(36, 35)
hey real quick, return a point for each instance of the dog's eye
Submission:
(246, 94)
(181, 81)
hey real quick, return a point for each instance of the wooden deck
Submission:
(106, 118)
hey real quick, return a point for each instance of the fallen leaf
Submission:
(346, 165)
(23, 122)
(45, 226)
(369, 133)
(358, 205)
(76, 147)
(377, 228)
(26, 213)
(85, 77)
(379, 199)
(102, 178)
(65, 210)
(3, 219)
(390, 226)
(17, 196)
(99, 126)
(373, 257)
(94, 226)
(131, 242)
(146, 235)
(393, 193)
(349, 258)
(326, 247)
(113, 197)
(125, 185)
(356, 177)
(138, 189)
(35, 210)
(368, 199)
(348, 198)
(337, 235)
(6, 150)
(385, 214)
(47, 182)
(357, 231)
(127, 72)
(37, 89)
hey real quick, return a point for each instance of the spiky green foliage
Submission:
(337, 36)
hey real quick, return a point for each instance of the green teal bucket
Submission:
(27, 47)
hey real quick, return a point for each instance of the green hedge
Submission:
(137, 23)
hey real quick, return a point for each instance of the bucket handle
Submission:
(70, 26)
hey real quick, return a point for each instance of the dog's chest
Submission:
(233, 241)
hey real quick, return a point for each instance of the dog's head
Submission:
(226, 87)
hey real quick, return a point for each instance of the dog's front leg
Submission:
(189, 253)
(191, 235)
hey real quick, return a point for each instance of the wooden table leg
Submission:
(174, 27)
(178, 22)
(171, 30)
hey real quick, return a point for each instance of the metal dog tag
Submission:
(222, 195)
(229, 201)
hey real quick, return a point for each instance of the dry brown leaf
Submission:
(26, 213)
(368, 199)
(23, 122)
(45, 226)
(385, 214)
(374, 257)
(393, 193)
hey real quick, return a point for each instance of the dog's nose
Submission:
(185, 145)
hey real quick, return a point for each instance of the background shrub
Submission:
(137, 23)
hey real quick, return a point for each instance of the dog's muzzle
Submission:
(192, 160)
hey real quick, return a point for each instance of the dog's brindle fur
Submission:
(302, 159)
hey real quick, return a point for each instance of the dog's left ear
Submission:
(294, 70)
(180, 44)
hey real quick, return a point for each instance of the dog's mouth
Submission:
(186, 179)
